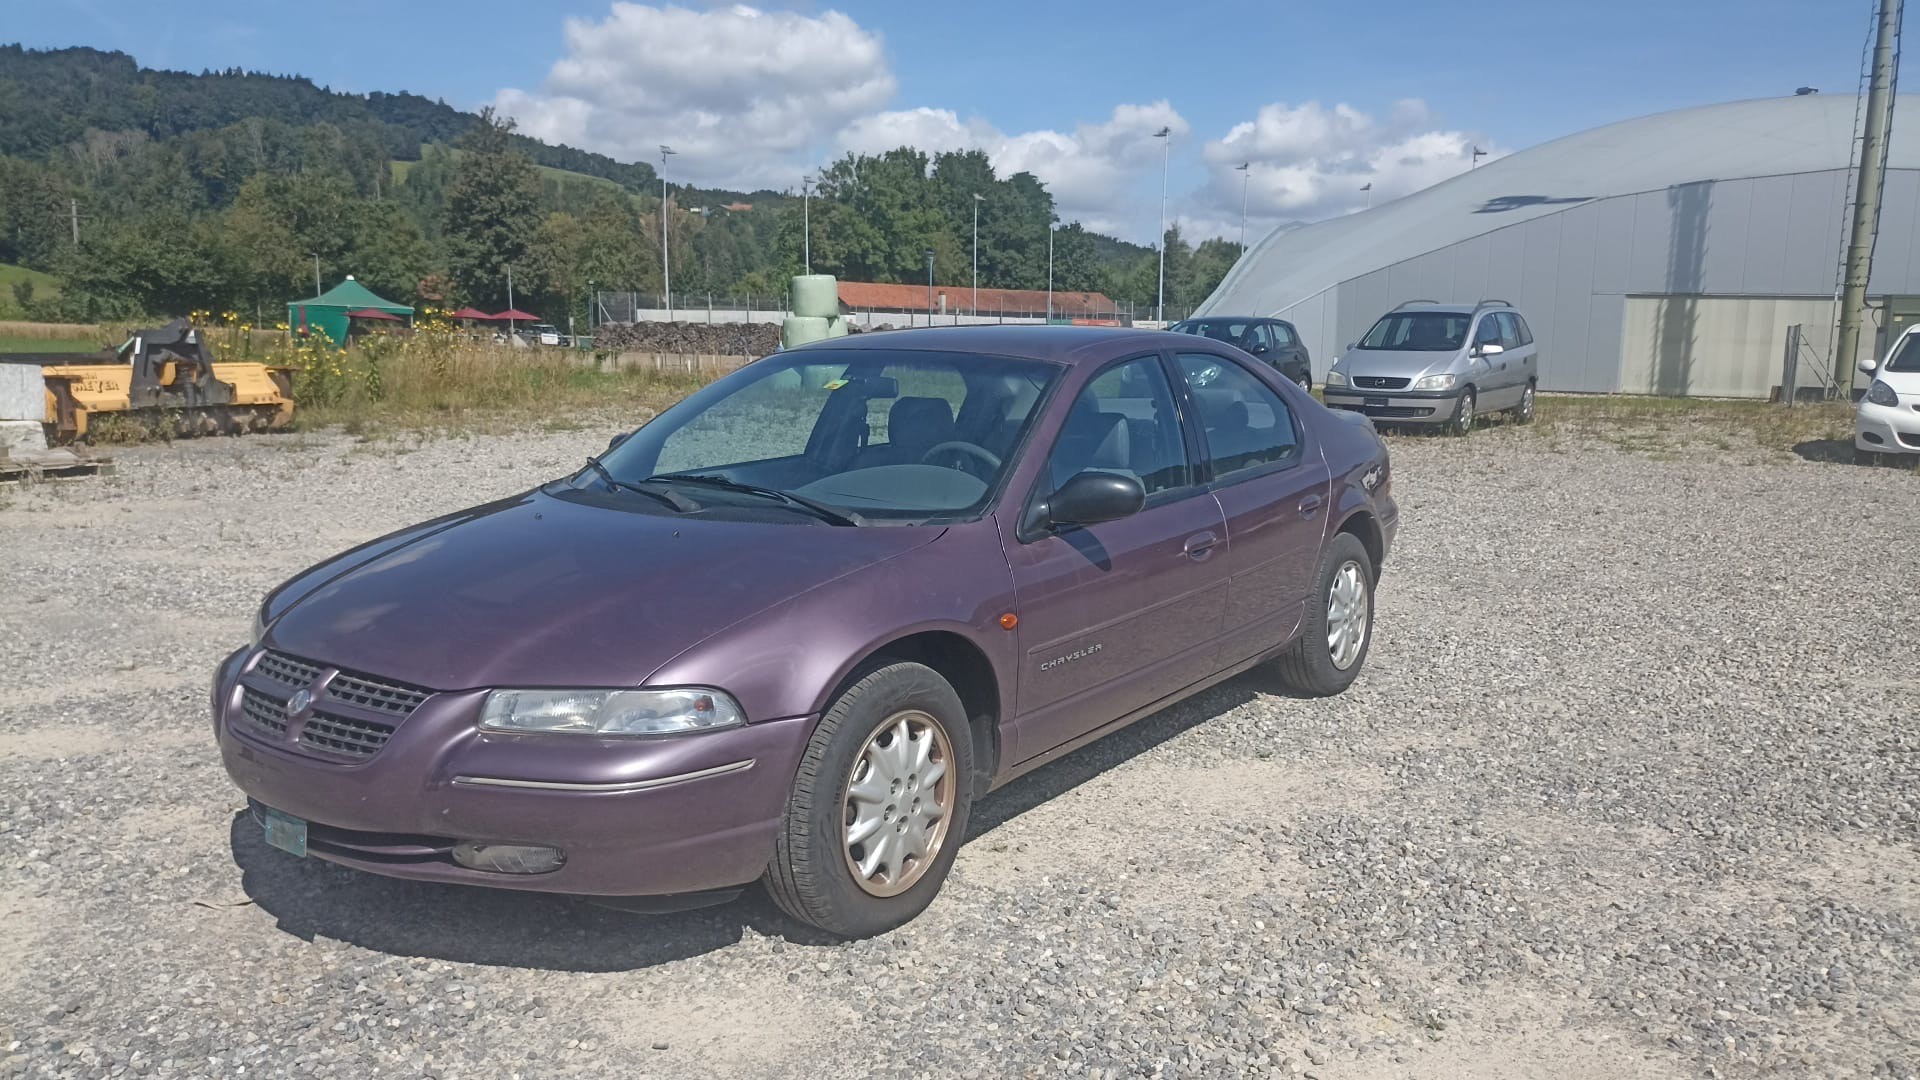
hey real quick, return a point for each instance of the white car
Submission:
(1888, 419)
(546, 334)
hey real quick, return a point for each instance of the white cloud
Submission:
(1095, 172)
(739, 93)
(1309, 161)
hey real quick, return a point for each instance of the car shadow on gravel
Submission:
(312, 898)
(1829, 450)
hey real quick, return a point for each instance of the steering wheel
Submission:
(964, 449)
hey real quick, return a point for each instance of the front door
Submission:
(1273, 489)
(1118, 615)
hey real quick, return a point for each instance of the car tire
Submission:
(1312, 666)
(1463, 413)
(814, 876)
(1306, 384)
(1523, 412)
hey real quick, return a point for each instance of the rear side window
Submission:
(1123, 422)
(1284, 335)
(1248, 426)
(1520, 328)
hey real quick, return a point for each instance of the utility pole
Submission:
(666, 271)
(1245, 169)
(977, 200)
(929, 286)
(1049, 273)
(1165, 134)
(73, 212)
(806, 220)
(509, 287)
(316, 273)
(1866, 201)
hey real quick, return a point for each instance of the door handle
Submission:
(1199, 546)
(1310, 505)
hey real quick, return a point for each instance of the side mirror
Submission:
(618, 439)
(1349, 347)
(1489, 349)
(1093, 497)
(1869, 365)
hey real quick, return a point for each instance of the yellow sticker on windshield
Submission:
(836, 384)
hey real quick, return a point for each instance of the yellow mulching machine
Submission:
(164, 377)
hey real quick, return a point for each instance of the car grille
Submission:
(287, 671)
(344, 734)
(371, 694)
(263, 712)
(1379, 382)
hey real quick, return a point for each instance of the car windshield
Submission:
(1232, 331)
(1907, 356)
(1418, 331)
(870, 436)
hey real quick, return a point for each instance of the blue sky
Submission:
(1321, 97)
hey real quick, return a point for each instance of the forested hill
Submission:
(49, 99)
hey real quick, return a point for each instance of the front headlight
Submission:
(1436, 382)
(1336, 378)
(1882, 394)
(610, 712)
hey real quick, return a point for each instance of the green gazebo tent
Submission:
(327, 313)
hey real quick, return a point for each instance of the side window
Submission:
(1488, 332)
(1258, 339)
(1124, 422)
(1283, 335)
(1509, 333)
(1246, 422)
(1520, 327)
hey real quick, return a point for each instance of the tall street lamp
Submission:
(1245, 169)
(1166, 155)
(929, 286)
(1049, 273)
(666, 271)
(977, 200)
(806, 220)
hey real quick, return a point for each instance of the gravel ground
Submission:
(1631, 787)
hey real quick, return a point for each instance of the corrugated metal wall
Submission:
(1768, 238)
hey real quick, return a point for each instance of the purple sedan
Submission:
(792, 628)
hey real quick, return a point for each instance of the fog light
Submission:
(508, 858)
(1872, 438)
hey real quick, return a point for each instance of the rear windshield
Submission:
(1907, 356)
(1418, 331)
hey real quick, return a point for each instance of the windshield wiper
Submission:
(676, 501)
(829, 514)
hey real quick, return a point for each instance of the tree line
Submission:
(219, 191)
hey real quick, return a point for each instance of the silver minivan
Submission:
(1439, 364)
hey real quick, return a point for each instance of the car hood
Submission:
(545, 591)
(1392, 364)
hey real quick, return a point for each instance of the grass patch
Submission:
(33, 283)
(52, 337)
(1661, 424)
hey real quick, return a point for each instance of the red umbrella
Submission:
(472, 313)
(512, 314)
(373, 313)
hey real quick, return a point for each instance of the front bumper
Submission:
(635, 816)
(1888, 429)
(1395, 406)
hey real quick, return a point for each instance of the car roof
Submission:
(1451, 309)
(1058, 344)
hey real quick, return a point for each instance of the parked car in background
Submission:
(1273, 341)
(794, 626)
(1439, 364)
(1886, 423)
(546, 334)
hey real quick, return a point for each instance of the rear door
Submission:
(1272, 486)
(1526, 364)
(1293, 360)
(1118, 615)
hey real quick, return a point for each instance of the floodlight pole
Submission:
(1866, 200)
(977, 200)
(1166, 155)
(806, 220)
(666, 269)
(929, 286)
(1245, 169)
(1049, 273)
(316, 273)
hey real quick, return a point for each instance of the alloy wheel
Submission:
(1347, 614)
(899, 802)
(1526, 406)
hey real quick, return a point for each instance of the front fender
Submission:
(790, 659)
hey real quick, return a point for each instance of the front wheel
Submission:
(1338, 633)
(879, 805)
(1462, 421)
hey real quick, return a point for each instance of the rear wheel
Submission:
(1338, 633)
(1523, 412)
(1306, 383)
(879, 805)
(1463, 414)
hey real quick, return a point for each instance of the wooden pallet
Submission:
(56, 464)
